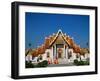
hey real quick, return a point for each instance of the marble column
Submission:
(64, 51)
(67, 54)
(55, 51)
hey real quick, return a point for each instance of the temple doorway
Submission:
(60, 48)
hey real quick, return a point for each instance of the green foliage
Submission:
(42, 64)
(81, 63)
(29, 65)
(76, 62)
(45, 62)
(86, 62)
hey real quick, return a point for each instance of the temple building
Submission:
(58, 48)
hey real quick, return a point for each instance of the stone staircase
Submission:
(62, 61)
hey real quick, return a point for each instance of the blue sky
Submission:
(41, 25)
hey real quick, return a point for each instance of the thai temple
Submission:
(58, 48)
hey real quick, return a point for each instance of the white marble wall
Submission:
(28, 57)
(67, 54)
(44, 56)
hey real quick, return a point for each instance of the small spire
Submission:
(38, 46)
(79, 45)
(45, 37)
(53, 33)
(65, 34)
(72, 38)
(59, 30)
(49, 35)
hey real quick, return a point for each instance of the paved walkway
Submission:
(62, 61)
(57, 65)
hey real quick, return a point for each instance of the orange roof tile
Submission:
(51, 39)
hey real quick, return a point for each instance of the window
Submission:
(69, 54)
(48, 54)
(40, 57)
(60, 51)
(33, 58)
(77, 56)
(53, 51)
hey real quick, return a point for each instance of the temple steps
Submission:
(62, 61)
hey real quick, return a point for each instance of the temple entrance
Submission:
(60, 48)
(60, 51)
(61, 54)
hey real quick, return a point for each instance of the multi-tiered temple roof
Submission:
(49, 41)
